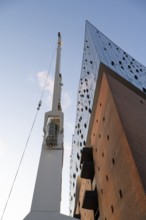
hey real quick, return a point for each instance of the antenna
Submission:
(56, 103)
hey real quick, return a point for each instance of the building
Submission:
(108, 172)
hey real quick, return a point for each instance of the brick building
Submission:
(108, 172)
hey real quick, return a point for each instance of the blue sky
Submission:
(28, 37)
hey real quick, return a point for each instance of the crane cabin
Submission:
(52, 131)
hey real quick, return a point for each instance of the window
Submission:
(107, 178)
(113, 161)
(120, 193)
(112, 208)
(108, 137)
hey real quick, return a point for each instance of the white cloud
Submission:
(41, 78)
(66, 100)
(46, 80)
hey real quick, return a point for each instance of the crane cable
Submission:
(27, 141)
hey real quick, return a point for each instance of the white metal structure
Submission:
(47, 192)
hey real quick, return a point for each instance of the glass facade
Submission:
(97, 49)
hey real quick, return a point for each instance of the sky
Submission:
(28, 41)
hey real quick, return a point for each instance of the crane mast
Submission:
(47, 192)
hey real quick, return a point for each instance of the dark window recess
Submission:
(129, 66)
(90, 110)
(135, 76)
(81, 144)
(120, 193)
(100, 104)
(131, 71)
(91, 62)
(86, 41)
(112, 208)
(88, 171)
(132, 59)
(84, 143)
(86, 108)
(112, 62)
(122, 67)
(106, 177)
(103, 118)
(108, 137)
(109, 44)
(87, 46)
(78, 156)
(131, 62)
(74, 194)
(74, 175)
(99, 135)
(85, 125)
(104, 48)
(102, 154)
(86, 90)
(85, 60)
(140, 70)
(88, 96)
(113, 161)
(73, 184)
(84, 67)
(81, 109)
(76, 168)
(78, 125)
(123, 58)
(120, 62)
(117, 48)
(82, 136)
(90, 200)
(88, 72)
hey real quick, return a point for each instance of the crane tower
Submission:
(47, 193)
